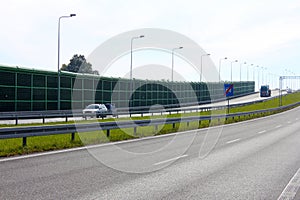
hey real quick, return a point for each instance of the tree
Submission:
(78, 64)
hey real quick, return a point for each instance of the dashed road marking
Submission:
(278, 126)
(260, 132)
(232, 141)
(169, 160)
(292, 187)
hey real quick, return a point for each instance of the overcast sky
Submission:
(262, 32)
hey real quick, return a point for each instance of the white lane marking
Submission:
(289, 122)
(232, 141)
(297, 118)
(292, 187)
(278, 126)
(169, 160)
(260, 132)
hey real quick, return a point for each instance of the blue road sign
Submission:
(228, 90)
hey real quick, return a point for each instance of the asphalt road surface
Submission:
(257, 159)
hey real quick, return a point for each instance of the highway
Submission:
(255, 159)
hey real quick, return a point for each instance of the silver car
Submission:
(97, 110)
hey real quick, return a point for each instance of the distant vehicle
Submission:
(98, 110)
(111, 109)
(265, 91)
(289, 90)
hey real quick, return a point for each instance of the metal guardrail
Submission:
(43, 115)
(24, 132)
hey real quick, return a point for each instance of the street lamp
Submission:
(248, 72)
(241, 70)
(202, 64)
(58, 53)
(262, 75)
(173, 61)
(220, 67)
(231, 68)
(131, 80)
(257, 78)
(141, 36)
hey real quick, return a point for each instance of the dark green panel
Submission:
(7, 93)
(24, 94)
(88, 83)
(39, 106)
(65, 82)
(7, 106)
(52, 106)
(65, 94)
(51, 94)
(39, 81)
(24, 79)
(39, 94)
(52, 81)
(23, 106)
(7, 78)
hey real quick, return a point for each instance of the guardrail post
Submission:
(156, 127)
(16, 120)
(142, 115)
(199, 123)
(107, 133)
(134, 130)
(66, 118)
(43, 120)
(72, 136)
(188, 124)
(24, 141)
(173, 125)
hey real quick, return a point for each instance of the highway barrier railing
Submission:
(43, 115)
(24, 132)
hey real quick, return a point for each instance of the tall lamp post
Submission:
(133, 38)
(202, 64)
(248, 72)
(231, 68)
(58, 54)
(241, 70)
(173, 61)
(262, 75)
(258, 77)
(220, 67)
(131, 78)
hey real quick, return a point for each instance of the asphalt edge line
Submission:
(291, 188)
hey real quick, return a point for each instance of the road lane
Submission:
(257, 166)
